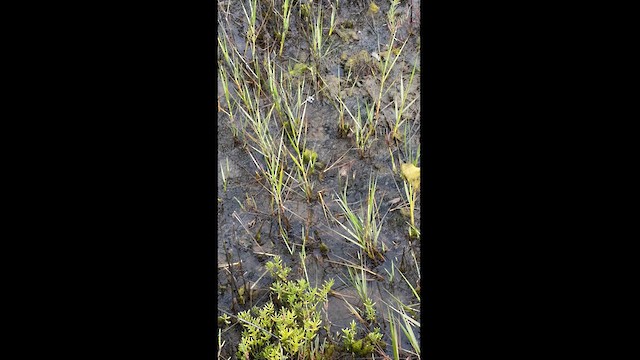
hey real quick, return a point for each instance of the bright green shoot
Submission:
(359, 281)
(286, 16)
(252, 28)
(333, 19)
(296, 129)
(411, 146)
(395, 339)
(272, 84)
(317, 34)
(407, 325)
(367, 131)
(222, 45)
(391, 15)
(318, 42)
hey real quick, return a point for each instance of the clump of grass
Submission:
(362, 230)
(332, 24)
(359, 280)
(252, 26)
(410, 145)
(363, 131)
(395, 338)
(272, 83)
(316, 34)
(409, 327)
(319, 45)
(410, 173)
(401, 108)
(227, 95)
(273, 153)
(336, 100)
(387, 66)
(286, 16)
(295, 127)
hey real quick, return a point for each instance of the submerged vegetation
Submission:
(319, 151)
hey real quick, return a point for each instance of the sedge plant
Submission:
(363, 130)
(410, 327)
(411, 178)
(295, 127)
(287, 8)
(386, 67)
(401, 107)
(359, 280)
(252, 26)
(362, 228)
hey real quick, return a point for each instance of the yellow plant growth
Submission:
(412, 174)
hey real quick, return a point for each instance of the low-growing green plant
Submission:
(316, 34)
(224, 320)
(369, 309)
(286, 326)
(363, 346)
(319, 45)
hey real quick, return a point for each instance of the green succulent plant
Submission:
(363, 346)
(285, 327)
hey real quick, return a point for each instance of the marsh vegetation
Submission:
(319, 155)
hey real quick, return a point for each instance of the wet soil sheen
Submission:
(349, 69)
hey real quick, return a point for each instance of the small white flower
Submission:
(310, 99)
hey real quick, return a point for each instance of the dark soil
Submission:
(247, 228)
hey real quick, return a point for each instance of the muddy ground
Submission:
(247, 229)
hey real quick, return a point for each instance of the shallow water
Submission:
(247, 228)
